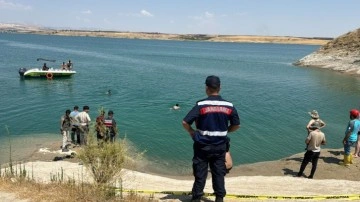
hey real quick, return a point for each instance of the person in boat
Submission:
(45, 68)
(64, 66)
(69, 65)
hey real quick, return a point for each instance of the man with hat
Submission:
(314, 118)
(215, 118)
(314, 140)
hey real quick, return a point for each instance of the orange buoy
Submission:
(49, 75)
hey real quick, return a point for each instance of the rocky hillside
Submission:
(341, 54)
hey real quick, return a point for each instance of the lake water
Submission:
(147, 77)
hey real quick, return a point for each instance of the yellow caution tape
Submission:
(261, 197)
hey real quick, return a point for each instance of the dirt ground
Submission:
(271, 180)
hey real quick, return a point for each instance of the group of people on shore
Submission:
(106, 129)
(316, 138)
(216, 117)
(74, 127)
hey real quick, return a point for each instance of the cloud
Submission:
(85, 20)
(209, 15)
(143, 13)
(146, 13)
(206, 16)
(106, 21)
(241, 13)
(7, 5)
(206, 22)
(86, 12)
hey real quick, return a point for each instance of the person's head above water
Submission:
(176, 106)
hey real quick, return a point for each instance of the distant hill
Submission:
(15, 28)
(341, 54)
(5, 27)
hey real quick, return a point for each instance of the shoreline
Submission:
(269, 180)
(328, 164)
(262, 180)
(19, 29)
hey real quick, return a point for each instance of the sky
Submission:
(301, 18)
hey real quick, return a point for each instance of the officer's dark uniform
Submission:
(212, 117)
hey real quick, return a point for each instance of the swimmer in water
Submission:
(176, 107)
(108, 92)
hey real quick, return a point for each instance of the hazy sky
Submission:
(307, 18)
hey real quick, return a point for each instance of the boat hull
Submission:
(49, 74)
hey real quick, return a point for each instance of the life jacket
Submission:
(108, 122)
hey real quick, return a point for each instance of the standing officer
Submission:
(110, 124)
(214, 118)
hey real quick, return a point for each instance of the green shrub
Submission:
(104, 160)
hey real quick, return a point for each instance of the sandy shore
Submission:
(264, 180)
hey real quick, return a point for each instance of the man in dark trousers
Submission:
(314, 140)
(214, 118)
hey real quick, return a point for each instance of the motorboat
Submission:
(47, 72)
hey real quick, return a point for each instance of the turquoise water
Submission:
(147, 77)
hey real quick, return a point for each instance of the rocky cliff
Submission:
(341, 54)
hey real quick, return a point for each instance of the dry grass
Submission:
(105, 161)
(64, 192)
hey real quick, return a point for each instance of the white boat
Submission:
(49, 73)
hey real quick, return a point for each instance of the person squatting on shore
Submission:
(84, 120)
(351, 135)
(75, 126)
(314, 140)
(65, 126)
(111, 127)
(215, 118)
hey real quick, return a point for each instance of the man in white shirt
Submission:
(83, 119)
(75, 126)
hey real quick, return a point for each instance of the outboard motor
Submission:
(22, 71)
